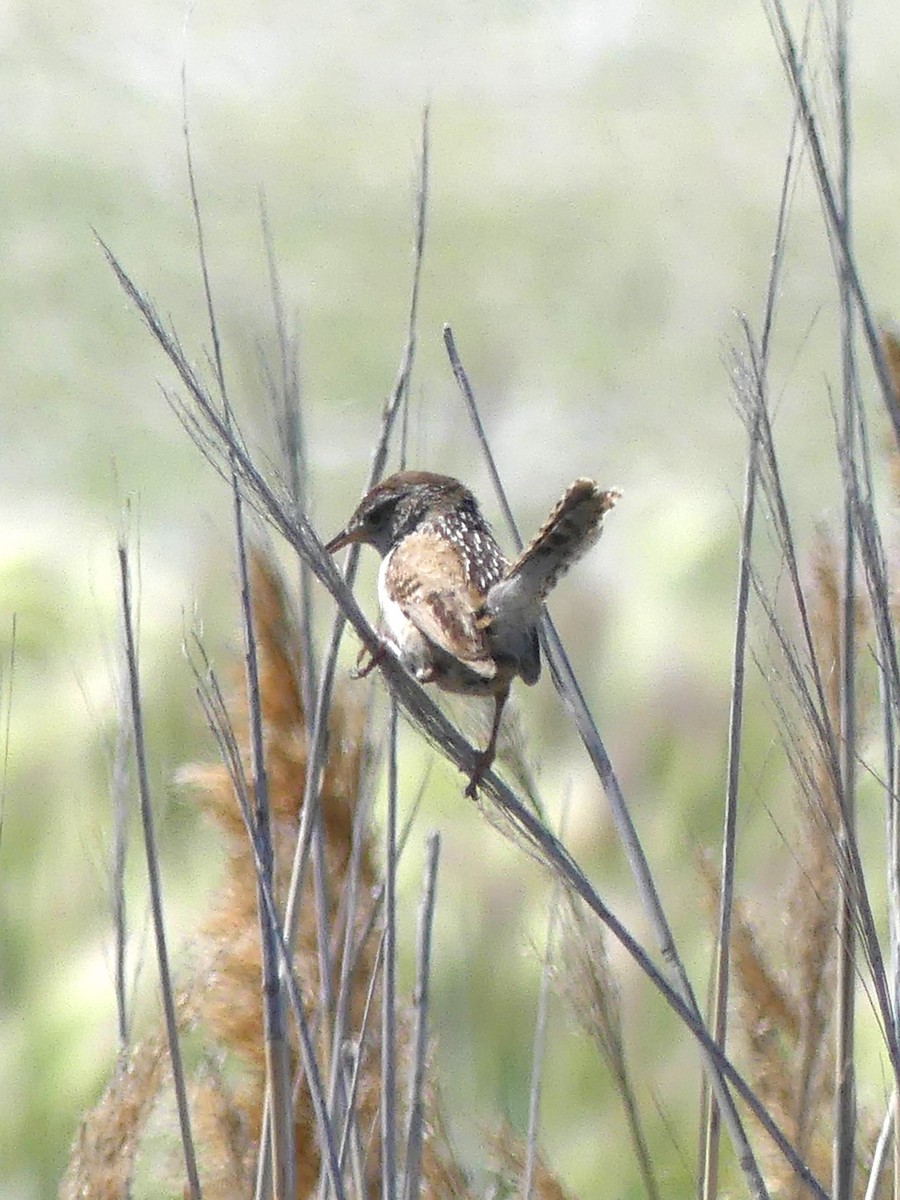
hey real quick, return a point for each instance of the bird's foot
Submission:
(482, 764)
(364, 668)
(486, 758)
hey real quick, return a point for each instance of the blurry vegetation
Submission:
(604, 187)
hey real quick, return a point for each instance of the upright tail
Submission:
(571, 529)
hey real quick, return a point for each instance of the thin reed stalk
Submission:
(338, 1099)
(573, 699)
(421, 1000)
(882, 1151)
(292, 438)
(280, 1115)
(219, 438)
(589, 987)
(709, 1157)
(845, 1118)
(389, 976)
(288, 405)
(709, 1122)
(804, 674)
(793, 63)
(215, 439)
(119, 788)
(539, 1043)
(216, 713)
(153, 876)
(325, 688)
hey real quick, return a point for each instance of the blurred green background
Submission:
(603, 193)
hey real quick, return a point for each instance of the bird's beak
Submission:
(344, 538)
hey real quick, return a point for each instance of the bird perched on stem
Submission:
(453, 610)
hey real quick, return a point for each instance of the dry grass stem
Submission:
(589, 987)
(311, 1078)
(222, 1001)
(156, 904)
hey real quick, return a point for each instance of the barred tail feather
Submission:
(571, 529)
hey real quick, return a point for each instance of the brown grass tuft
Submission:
(784, 974)
(106, 1145)
(509, 1152)
(222, 996)
(230, 1008)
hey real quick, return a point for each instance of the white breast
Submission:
(405, 639)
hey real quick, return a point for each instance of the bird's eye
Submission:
(379, 514)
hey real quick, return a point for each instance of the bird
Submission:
(454, 610)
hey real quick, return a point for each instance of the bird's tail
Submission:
(571, 529)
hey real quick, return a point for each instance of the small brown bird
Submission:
(454, 611)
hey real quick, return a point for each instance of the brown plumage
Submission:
(426, 579)
(454, 611)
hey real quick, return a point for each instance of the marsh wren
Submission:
(453, 610)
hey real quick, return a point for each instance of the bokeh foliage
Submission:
(604, 187)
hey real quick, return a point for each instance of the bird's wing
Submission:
(426, 577)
